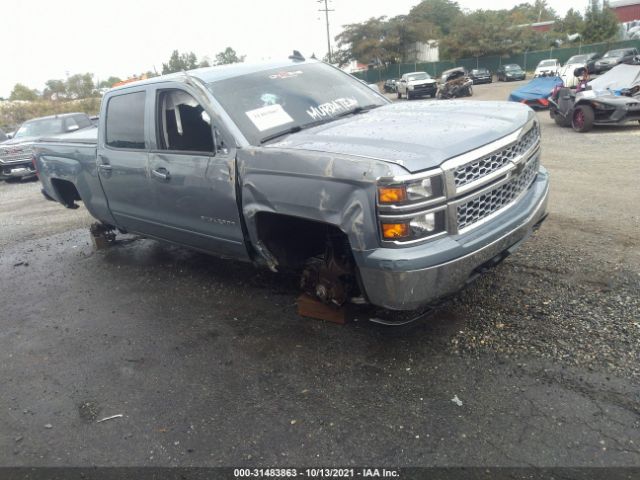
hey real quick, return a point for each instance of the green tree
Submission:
(22, 92)
(572, 22)
(340, 57)
(486, 32)
(365, 41)
(440, 13)
(227, 56)
(109, 82)
(179, 62)
(600, 22)
(538, 11)
(55, 89)
(80, 85)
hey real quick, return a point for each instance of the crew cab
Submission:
(15, 154)
(297, 165)
(415, 85)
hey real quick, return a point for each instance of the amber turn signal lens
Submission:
(392, 194)
(395, 230)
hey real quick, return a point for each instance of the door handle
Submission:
(105, 167)
(161, 174)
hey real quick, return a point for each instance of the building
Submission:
(626, 10)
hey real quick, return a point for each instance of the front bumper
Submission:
(17, 170)
(423, 90)
(404, 283)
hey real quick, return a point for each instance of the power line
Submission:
(326, 11)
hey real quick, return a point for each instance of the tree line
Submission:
(470, 33)
(82, 85)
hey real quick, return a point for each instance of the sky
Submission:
(45, 40)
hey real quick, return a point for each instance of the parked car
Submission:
(548, 68)
(338, 183)
(616, 57)
(613, 98)
(390, 85)
(16, 155)
(480, 75)
(584, 59)
(510, 72)
(415, 85)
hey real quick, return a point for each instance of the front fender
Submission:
(337, 190)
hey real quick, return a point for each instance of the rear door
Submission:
(192, 171)
(123, 157)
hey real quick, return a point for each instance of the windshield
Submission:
(265, 103)
(547, 63)
(512, 67)
(614, 53)
(418, 76)
(37, 128)
(578, 59)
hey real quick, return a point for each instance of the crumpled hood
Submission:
(416, 135)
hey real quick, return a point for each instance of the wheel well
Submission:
(292, 240)
(66, 191)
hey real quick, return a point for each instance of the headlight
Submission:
(410, 208)
(411, 192)
(412, 227)
(411, 87)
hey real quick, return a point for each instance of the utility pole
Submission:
(326, 11)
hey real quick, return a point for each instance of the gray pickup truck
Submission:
(297, 165)
(16, 159)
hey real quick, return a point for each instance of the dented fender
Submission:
(338, 190)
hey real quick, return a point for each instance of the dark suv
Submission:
(509, 72)
(480, 75)
(616, 57)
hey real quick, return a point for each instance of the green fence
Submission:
(527, 60)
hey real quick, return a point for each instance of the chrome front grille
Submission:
(486, 204)
(493, 162)
(14, 155)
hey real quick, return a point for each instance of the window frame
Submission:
(144, 124)
(159, 124)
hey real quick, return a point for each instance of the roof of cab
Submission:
(220, 72)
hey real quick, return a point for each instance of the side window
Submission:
(125, 121)
(82, 121)
(183, 123)
(70, 124)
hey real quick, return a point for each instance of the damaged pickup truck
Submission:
(297, 165)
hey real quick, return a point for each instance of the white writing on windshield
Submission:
(329, 109)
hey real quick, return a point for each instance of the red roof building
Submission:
(626, 10)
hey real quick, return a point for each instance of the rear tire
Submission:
(582, 118)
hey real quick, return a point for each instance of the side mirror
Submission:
(72, 128)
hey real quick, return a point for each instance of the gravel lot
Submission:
(210, 365)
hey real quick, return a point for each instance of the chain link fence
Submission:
(527, 60)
